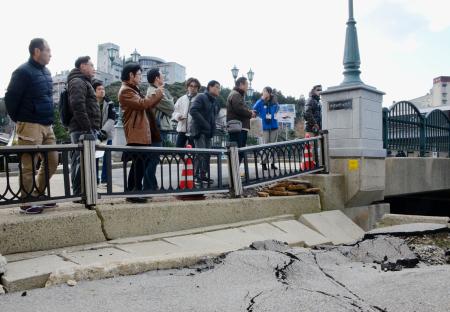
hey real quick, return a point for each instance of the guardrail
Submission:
(407, 131)
(158, 171)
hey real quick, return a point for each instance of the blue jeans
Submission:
(150, 182)
(104, 177)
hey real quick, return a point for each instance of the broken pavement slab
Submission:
(200, 243)
(390, 219)
(87, 257)
(334, 225)
(270, 232)
(302, 232)
(149, 249)
(391, 252)
(409, 229)
(32, 273)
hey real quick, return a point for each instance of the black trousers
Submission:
(241, 140)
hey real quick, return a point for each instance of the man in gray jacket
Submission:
(165, 108)
(107, 122)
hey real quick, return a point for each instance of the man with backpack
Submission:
(29, 103)
(86, 115)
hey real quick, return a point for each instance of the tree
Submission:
(61, 133)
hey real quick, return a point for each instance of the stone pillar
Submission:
(352, 113)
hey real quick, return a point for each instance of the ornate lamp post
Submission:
(235, 72)
(352, 60)
(112, 53)
(250, 75)
(135, 56)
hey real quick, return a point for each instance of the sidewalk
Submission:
(135, 255)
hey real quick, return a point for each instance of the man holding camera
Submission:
(86, 112)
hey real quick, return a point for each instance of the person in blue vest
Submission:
(266, 108)
(29, 102)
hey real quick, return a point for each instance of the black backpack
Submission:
(65, 112)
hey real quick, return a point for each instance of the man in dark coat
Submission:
(86, 112)
(313, 112)
(204, 111)
(29, 104)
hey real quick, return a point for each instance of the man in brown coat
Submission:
(137, 126)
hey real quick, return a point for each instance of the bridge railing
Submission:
(407, 131)
(154, 171)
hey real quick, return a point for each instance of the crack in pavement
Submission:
(252, 302)
(345, 287)
(102, 223)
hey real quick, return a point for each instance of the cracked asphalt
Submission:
(279, 279)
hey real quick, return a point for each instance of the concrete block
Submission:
(55, 228)
(366, 217)
(151, 249)
(2, 264)
(334, 225)
(105, 255)
(397, 219)
(409, 229)
(332, 189)
(154, 218)
(200, 243)
(237, 238)
(270, 232)
(295, 228)
(33, 273)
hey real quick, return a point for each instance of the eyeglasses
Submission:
(193, 86)
(319, 90)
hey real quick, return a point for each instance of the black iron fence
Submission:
(26, 175)
(407, 131)
(152, 171)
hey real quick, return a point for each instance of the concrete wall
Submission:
(416, 175)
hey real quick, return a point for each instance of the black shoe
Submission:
(31, 209)
(272, 166)
(137, 200)
(264, 167)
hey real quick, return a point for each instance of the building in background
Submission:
(110, 64)
(437, 98)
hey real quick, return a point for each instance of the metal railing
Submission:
(155, 171)
(169, 139)
(19, 181)
(406, 130)
(283, 160)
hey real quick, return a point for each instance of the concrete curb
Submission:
(125, 220)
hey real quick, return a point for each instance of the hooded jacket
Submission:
(164, 109)
(82, 100)
(313, 114)
(204, 111)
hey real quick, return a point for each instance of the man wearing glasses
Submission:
(181, 113)
(313, 112)
(86, 112)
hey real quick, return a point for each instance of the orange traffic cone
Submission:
(307, 162)
(187, 174)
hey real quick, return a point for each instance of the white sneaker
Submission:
(103, 185)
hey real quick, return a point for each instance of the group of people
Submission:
(30, 105)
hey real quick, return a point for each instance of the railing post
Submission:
(422, 137)
(236, 189)
(325, 151)
(88, 170)
(385, 127)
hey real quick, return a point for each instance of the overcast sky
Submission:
(290, 45)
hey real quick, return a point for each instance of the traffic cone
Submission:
(187, 173)
(307, 162)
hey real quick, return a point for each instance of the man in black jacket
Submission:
(313, 112)
(204, 111)
(29, 103)
(86, 112)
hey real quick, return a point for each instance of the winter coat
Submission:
(83, 103)
(137, 127)
(182, 107)
(313, 114)
(204, 111)
(237, 110)
(108, 118)
(164, 109)
(263, 109)
(29, 97)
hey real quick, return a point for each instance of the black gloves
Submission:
(101, 135)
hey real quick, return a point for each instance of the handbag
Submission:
(234, 126)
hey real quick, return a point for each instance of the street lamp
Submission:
(235, 72)
(135, 56)
(250, 75)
